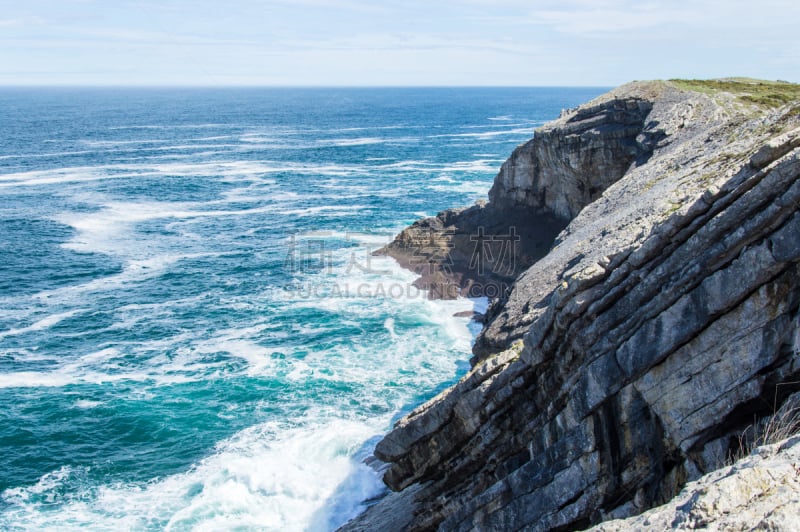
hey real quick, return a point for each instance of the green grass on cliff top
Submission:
(760, 92)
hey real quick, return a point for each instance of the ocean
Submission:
(194, 334)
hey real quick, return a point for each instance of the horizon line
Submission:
(289, 86)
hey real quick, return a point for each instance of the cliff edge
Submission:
(648, 314)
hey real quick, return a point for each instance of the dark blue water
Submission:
(193, 333)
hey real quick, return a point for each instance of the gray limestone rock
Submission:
(760, 492)
(630, 358)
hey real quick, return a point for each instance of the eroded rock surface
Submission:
(627, 360)
(760, 492)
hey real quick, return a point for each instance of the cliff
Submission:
(541, 187)
(626, 354)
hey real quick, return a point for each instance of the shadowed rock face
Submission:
(628, 359)
(480, 250)
(474, 252)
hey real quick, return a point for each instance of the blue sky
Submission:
(355, 42)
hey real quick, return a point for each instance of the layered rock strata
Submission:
(628, 359)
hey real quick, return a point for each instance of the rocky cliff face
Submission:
(569, 162)
(629, 359)
(541, 187)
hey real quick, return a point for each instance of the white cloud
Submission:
(609, 19)
(534, 42)
(21, 22)
(414, 42)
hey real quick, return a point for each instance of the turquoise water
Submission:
(193, 334)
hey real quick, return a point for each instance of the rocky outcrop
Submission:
(571, 161)
(761, 492)
(480, 251)
(629, 359)
(678, 129)
(474, 252)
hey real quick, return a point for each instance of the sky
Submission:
(394, 43)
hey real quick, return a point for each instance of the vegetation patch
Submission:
(763, 93)
(784, 423)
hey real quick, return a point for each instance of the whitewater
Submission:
(194, 333)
